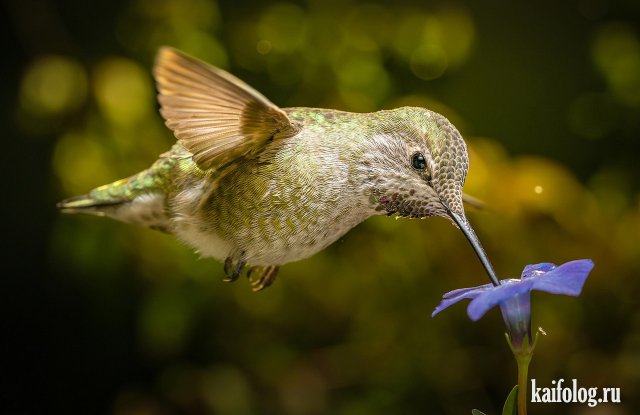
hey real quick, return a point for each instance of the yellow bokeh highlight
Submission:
(53, 85)
(457, 33)
(435, 42)
(429, 61)
(363, 81)
(79, 162)
(284, 26)
(225, 390)
(367, 27)
(182, 15)
(206, 47)
(263, 46)
(123, 90)
(616, 53)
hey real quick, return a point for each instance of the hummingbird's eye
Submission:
(418, 161)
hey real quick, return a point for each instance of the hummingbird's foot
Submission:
(233, 271)
(228, 263)
(266, 278)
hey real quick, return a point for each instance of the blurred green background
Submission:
(101, 317)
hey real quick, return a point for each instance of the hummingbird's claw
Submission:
(233, 273)
(228, 263)
(251, 271)
(266, 278)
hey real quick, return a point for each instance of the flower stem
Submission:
(523, 355)
(523, 379)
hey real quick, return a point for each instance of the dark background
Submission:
(100, 317)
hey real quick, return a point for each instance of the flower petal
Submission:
(479, 306)
(454, 296)
(461, 291)
(566, 279)
(535, 269)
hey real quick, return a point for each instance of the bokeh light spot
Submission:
(363, 80)
(284, 25)
(263, 47)
(79, 162)
(226, 391)
(123, 90)
(457, 33)
(367, 27)
(206, 47)
(435, 42)
(616, 52)
(53, 85)
(428, 62)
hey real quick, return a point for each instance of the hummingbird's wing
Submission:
(214, 115)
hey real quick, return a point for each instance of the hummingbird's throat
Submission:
(407, 205)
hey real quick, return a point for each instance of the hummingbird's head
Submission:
(417, 163)
(419, 166)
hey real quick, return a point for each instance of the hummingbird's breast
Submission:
(296, 198)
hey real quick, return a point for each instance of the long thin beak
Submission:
(468, 232)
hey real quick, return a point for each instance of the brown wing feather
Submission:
(213, 114)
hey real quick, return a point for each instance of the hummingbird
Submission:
(257, 186)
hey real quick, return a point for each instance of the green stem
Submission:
(523, 356)
(523, 379)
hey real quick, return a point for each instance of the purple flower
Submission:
(513, 295)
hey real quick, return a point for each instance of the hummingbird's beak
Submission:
(468, 232)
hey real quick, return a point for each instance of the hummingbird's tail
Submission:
(139, 199)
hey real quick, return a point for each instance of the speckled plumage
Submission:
(263, 193)
(305, 191)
